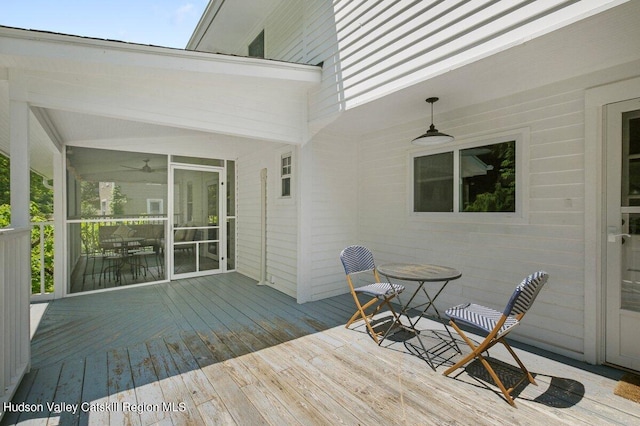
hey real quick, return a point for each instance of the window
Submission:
(155, 206)
(285, 175)
(256, 48)
(475, 178)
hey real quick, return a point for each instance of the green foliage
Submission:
(4, 180)
(41, 210)
(36, 266)
(502, 198)
(118, 201)
(89, 198)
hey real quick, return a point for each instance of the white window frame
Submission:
(160, 202)
(521, 138)
(282, 176)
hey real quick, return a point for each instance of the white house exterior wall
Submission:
(334, 201)
(495, 255)
(371, 49)
(282, 230)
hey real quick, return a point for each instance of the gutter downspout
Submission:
(263, 227)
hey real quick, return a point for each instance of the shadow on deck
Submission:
(222, 350)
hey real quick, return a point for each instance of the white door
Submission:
(197, 238)
(623, 234)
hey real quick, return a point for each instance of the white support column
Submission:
(304, 176)
(59, 243)
(19, 153)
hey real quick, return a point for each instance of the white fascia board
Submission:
(203, 24)
(37, 46)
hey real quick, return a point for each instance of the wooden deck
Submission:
(222, 350)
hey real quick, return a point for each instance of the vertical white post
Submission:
(263, 227)
(19, 155)
(304, 177)
(59, 226)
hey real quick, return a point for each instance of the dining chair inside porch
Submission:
(114, 252)
(496, 325)
(356, 260)
(92, 255)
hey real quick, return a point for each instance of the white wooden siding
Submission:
(335, 206)
(281, 220)
(373, 48)
(493, 254)
(494, 257)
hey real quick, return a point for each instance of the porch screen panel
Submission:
(117, 215)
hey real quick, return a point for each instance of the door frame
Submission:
(594, 225)
(222, 231)
(614, 314)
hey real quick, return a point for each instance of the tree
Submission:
(118, 201)
(501, 197)
(40, 194)
(41, 210)
(89, 198)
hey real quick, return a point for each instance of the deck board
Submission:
(222, 350)
(95, 389)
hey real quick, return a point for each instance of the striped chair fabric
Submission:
(486, 318)
(481, 317)
(357, 259)
(525, 294)
(496, 326)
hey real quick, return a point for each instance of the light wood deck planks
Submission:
(223, 351)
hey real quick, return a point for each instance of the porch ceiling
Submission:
(598, 43)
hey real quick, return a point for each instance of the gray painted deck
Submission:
(221, 350)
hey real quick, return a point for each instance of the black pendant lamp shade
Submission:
(433, 136)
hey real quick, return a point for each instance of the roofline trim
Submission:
(276, 69)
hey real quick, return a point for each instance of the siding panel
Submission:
(494, 257)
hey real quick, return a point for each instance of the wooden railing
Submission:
(15, 289)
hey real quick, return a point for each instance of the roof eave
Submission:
(40, 44)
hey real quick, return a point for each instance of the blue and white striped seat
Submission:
(381, 289)
(357, 259)
(496, 325)
(481, 317)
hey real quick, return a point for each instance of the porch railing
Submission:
(15, 289)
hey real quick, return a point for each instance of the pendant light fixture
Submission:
(433, 136)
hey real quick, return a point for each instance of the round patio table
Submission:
(422, 274)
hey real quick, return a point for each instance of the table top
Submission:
(419, 272)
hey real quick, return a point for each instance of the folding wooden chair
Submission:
(358, 259)
(497, 325)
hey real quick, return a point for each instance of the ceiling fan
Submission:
(144, 169)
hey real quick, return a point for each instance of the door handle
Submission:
(612, 237)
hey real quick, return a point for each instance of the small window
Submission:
(155, 206)
(285, 175)
(485, 173)
(256, 48)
